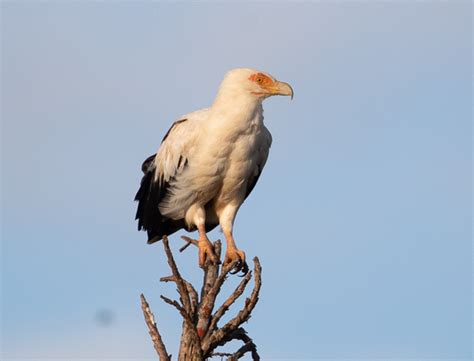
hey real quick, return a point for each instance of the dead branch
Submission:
(153, 330)
(201, 335)
(220, 334)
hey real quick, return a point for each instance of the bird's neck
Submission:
(237, 107)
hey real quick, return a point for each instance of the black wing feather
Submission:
(253, 182)
(151, 192)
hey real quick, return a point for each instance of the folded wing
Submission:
(160, 170)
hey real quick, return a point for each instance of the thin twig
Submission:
(182, 289)
(175, 304)
(187, 318)
(189, 241)
(153, 330)
(191, 291)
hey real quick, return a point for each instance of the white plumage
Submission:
(208, 163)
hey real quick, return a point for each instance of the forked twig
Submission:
(182, 289)
(189, 241)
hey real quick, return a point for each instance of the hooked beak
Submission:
(282, 88)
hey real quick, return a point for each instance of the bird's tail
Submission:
(148, 214)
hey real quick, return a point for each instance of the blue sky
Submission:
(361, 219)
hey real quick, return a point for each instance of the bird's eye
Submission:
(259, 80)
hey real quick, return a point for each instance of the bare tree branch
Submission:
(153, 330)
(201, 334)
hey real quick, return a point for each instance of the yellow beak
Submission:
(282, 88)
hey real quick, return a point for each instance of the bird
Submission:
(208, 163)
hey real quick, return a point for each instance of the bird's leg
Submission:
(234, 254)
(206, 249)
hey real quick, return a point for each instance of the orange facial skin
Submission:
(261, 79)
(264, 81)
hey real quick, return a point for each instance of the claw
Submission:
(234, 255)
(240, 267)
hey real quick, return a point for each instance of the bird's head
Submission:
(253, 83)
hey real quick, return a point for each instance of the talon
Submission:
(244, 269)
(240, 267)
(234, 255)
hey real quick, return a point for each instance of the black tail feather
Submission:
(149, 196)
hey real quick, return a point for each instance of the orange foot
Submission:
(206, 251)
(234, 255)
